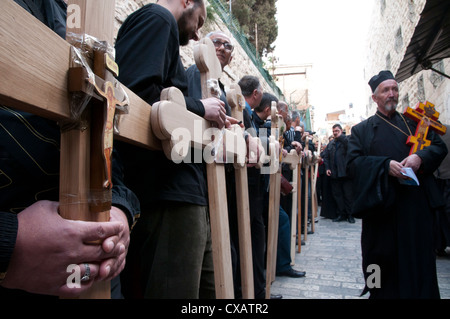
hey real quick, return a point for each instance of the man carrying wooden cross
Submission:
(170, 252)
(224, 52)
(261, 118)
(397, 232)
(36, 244)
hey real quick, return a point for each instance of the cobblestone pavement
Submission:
(331, 258)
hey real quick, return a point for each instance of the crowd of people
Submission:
(158, 243)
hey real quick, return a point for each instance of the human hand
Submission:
(298, 146)
(413, 161)
(395, 169)
(328, 172)
(254, 148)
(305, 136)
(215, 111)
(116, 245)
(232, 121)
(47, 244)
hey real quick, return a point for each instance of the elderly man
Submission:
(224, 52)
(397, 219)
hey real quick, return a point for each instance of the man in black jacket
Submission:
(334, 160)
(397, 219)
(170, 250)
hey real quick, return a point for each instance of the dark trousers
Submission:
(258, 233)
(342, 194)
(284, 242)
(170, 254)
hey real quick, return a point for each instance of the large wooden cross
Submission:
(426, 116)
(274, 196)
(237, 104)
(34, 78)
(306, 164)
(314, 172)
(294, 161)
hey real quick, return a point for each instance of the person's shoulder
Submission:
(153, 12)
(364, 124)
(192, 69)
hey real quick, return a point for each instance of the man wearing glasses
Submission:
(224, 50)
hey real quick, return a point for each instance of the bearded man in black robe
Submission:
(398, 256)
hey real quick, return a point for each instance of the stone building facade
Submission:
(240, 65)
(392, 26)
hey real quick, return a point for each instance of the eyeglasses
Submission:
(227, 45)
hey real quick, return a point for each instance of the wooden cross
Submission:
(294, 161)
(426, 116)
(39, 61)
(298, 232)
(274, 196)
(306, 164)
(210, 69)
(237, 103)
(314, 201)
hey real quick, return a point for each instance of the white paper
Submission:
(412, 178)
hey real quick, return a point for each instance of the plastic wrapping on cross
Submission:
(82, 51)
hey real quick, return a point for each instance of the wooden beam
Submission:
(42, 81)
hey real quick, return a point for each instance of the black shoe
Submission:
(351, 220)
(442, 253)
(339, 219)
(292, 273)
(276, 296)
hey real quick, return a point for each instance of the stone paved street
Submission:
(332, 261)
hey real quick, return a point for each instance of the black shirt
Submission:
(147, 52)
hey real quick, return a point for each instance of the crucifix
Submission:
(28, 63)
(427, 118)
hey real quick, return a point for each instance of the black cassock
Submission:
(397, 227)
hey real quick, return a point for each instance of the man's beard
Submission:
(183, 33)
(391, 105)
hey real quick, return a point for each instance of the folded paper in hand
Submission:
(412, 178)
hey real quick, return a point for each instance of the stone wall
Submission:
(240, 65)
(393, 24)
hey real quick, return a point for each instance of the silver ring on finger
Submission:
(87, 273)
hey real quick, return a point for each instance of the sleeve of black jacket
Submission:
(147, 51)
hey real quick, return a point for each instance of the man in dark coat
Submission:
(398, 256)
(170, 251)
(334, 160)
